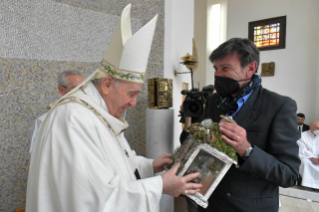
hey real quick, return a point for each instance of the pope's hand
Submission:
(175, 185)
(235, 136)
(314, 160)
(161, 161)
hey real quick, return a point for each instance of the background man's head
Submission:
(118, 95)
(314, 127)
(301, 118)
(67, 80)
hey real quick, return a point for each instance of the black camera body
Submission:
(193, 105)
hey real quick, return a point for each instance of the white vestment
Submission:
(37, 125)
(308, 148)
(79, 162)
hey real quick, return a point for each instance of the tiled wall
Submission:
(38, 40)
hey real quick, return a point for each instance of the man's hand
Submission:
(235, 136)
(175, 185)
(314, 160)
(161, 161)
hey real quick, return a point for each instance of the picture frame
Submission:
(203, 156)
(268, 34)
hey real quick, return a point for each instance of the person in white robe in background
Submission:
(309, 155)
(67, 80)
(81, 160)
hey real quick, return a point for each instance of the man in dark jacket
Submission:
(301, 125)
(264, 139)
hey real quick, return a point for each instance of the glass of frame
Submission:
(212, 164)
(268, 34)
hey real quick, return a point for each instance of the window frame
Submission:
(282, 31)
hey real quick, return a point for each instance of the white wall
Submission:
(296, 66)
(210, 39)
(202, 34)
(179, 23)
(317, 87)
(179, 30)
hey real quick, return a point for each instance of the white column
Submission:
(159, 140)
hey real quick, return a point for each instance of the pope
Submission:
(81, 160)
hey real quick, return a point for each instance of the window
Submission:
(268, 34)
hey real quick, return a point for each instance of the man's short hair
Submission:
(301, 115)
(246, 49)
(62, 80)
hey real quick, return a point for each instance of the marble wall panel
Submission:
(27, 87)
(143, 10)
(47, 30)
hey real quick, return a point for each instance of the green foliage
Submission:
(214, 138)
(203, 163)
(221, 145)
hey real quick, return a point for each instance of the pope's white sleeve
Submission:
(145, 165)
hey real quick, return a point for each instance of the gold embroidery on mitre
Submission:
(131, 76)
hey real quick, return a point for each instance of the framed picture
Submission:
(268, 34)
(211, 163)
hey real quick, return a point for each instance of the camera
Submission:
(193, 103)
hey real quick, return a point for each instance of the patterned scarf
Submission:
(229, 105)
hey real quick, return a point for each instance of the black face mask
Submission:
(226, 86)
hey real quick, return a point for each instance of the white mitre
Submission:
(126, 56)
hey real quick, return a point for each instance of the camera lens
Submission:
(193, 107)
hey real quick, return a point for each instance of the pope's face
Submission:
(121, 96)
(300, 120)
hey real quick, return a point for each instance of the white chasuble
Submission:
(37, 125)
(308, 148)
(81, 161)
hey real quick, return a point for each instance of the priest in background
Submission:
(309, 155)
(67, 80)
(81, 160)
